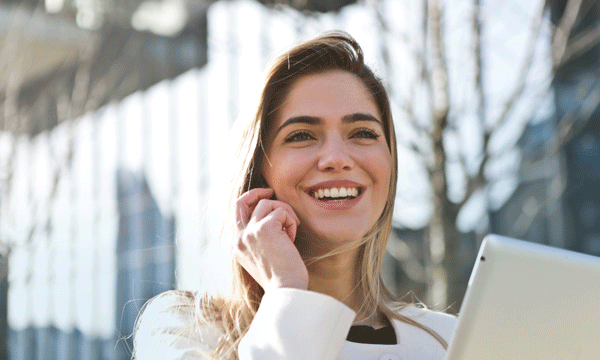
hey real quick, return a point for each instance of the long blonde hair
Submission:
(328, 52)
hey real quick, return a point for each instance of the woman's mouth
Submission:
(335, 194)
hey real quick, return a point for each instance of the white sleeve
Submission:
(164, 331)
(297, 324)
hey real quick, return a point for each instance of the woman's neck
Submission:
(337, 276)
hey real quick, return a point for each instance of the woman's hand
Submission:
(266, 230)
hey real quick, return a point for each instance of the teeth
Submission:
(335, 193)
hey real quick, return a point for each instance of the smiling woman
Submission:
(313, 209)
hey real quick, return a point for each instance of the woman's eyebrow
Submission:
(313, 120)
(360, 117)
(310, 120)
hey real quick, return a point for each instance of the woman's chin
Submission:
(329, 238)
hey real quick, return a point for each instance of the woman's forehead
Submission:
(333, 94)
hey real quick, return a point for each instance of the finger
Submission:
(283, 221)
(291, 230)
(255, 195)
(264, 207)
(246, 203)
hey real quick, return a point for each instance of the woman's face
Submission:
(327, 156)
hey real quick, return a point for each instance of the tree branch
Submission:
(580, 44)
(419, 56)
(516, 95)
(562, 33)
(476, 182)
(439, 66)
(567, 124)
(477, 52)
(439, 103)
(406, 105)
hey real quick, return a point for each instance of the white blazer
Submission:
(290, 324)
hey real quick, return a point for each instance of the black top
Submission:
(368, 335)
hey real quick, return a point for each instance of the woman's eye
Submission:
(299, 136)
(366, 134)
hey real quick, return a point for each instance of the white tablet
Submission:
(529, 301)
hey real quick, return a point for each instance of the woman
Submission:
(312, 218)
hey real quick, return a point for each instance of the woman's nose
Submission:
(335, 155)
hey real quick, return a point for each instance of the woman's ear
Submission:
(261, 182)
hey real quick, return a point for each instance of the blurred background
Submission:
(116, 117)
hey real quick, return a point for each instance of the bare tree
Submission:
(444, 265)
